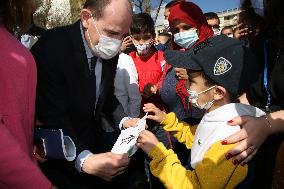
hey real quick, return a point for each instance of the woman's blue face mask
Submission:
(186, 39)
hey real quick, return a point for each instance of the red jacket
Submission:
(18, 168)
(149, 70)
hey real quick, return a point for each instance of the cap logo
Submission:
(222, 66)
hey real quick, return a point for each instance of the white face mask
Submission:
(216, 31)
(143, 49)
(193, 97)
(258, 7)
(231, 36)
(166, 24)
(107, 47)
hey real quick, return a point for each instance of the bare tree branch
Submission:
(147, 6)
(158, 10)
(139, 5)
(143, 5)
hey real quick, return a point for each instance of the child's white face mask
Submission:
(143, 49)
(193, 97)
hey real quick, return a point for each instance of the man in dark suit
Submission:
(76, 69)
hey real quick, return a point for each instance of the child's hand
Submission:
(154, 89)
(126, 42)
(181, 73)
(158, 114)
(146, 140)
(149, 90)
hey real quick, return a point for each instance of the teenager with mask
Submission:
(76, 70)
(149, 61)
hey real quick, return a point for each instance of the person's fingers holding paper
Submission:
(130, 122)
(105, 165)
(147, 140)
(154, 113)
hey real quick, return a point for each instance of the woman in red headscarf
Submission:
(188, 25)
(189, 28)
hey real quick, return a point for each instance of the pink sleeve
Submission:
(18, 170)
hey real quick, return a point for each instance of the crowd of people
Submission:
(212, 96)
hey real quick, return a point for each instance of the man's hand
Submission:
(106, 165)
(130, 123)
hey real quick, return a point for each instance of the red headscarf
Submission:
(192, 15)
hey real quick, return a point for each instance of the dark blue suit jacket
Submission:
(66, 94)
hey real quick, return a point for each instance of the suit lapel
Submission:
(80, 65)
(78, 46)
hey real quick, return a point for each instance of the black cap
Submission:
(223, 59)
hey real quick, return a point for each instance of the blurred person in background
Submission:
(19, 169)
(163, 41)
(228, 31)
(263, 31)
(213, 21)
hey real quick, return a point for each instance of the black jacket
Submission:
(66, 94)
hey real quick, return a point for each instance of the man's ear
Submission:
(220, 93)
(85, 15)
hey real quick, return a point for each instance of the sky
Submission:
(212, 5)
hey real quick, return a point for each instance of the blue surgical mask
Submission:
(258, 7)
(193, 97)
(186, 39)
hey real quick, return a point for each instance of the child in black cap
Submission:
(220, 70)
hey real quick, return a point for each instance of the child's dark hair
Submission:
(211, 15)
(142, 23)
